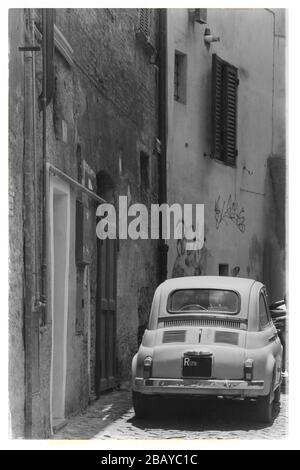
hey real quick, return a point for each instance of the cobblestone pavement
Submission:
(112, 417)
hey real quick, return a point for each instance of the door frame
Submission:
(108, 382)
(57, 187)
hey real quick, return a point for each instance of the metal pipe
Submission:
(35, 182)
(162, 120)
(28, 248)
(273, 77)
(56, 171)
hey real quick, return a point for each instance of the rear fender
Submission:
(138, 361)
(149, 338)
(133, 366)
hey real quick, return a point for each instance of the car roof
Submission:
(209, 282)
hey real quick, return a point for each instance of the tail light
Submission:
(148, 367)
(248, 369)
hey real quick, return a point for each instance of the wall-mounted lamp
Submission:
(208, 37)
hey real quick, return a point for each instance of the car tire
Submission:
(140, 405)
(277, 394)
(265, 409)
(266, 404)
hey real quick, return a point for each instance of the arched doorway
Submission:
(106, 307)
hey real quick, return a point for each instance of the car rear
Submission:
(200, 345)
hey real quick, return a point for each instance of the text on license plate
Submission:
(196, 366)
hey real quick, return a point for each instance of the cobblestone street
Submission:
(112, 417)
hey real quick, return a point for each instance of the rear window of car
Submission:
(204, 301)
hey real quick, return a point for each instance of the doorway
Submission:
(106, 308)
(60, 245)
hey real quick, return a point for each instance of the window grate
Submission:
(235, 324)
(176, 336)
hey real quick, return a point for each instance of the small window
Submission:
(203, 301)
(263, 312)
(200, 15)
(180, 66)
(144, 169)
(224, 110)
(223, 270)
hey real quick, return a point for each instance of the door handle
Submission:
(272, 338)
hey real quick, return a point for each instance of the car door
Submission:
(269, 332)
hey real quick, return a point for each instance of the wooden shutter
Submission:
(224, 110)
(230, 113)
(217, 144)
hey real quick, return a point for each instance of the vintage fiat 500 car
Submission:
(209, 336)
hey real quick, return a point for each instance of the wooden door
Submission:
(106, 315)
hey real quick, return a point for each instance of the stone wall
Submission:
(102, 116)
(16, 260)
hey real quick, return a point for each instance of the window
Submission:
(263, 312)
(203, 301)
(180, 77)
(223, 270)
(224, 110)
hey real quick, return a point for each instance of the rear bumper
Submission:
(160, 386)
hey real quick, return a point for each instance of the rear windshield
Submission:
(203, 301)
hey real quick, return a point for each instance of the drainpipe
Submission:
(162, 133)
(28, 230)
(43, 298)
(273, 77)
(35, 174)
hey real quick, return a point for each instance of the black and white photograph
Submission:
(147, 198)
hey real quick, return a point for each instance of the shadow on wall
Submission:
(254, 269)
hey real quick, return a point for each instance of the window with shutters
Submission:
(224, 110)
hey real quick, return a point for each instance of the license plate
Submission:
(195, 366)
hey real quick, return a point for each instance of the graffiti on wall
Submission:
(189, 262)
(235, 271)
(230, 210)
